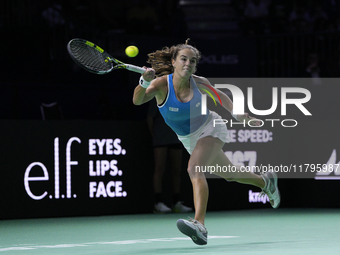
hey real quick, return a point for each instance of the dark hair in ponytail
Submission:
(161, 60)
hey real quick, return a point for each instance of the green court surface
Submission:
(267, 231)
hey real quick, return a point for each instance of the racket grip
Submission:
(136, 69)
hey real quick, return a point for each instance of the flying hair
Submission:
(161, 60)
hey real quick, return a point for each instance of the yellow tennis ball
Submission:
(131, 51)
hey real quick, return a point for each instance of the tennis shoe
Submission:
(271, 189)
(194, 229)
(161, 208)
(180, 208)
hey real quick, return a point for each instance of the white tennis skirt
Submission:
(207, 129)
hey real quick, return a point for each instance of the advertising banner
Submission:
(69, 168)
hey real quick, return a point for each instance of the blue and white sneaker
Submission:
(271, 189)
(194, 229)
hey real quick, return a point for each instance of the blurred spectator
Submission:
(320, 18)
(300, 19)
(278, 13)
(142, 18)
(314, 68)
(56, 27)
(81, 16)
(53, 15)
(172, 19)
(331, 8)
(256, 9)
(256, 15)
(110, 15)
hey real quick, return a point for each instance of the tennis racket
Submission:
(94, 59)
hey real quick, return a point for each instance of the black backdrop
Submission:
(100, 107)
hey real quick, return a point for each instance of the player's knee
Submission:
(194, 171)
(190, 170)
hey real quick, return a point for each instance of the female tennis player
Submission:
(176, 90)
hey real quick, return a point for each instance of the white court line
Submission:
(137, 241)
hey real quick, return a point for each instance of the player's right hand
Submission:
(149, 74)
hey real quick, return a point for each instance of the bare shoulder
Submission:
(160, 82)
(200, 79)
(160, 86)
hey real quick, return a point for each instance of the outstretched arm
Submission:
(142, 95)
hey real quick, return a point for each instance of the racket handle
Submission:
(136, 69)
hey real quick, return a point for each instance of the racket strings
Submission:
(90, 58)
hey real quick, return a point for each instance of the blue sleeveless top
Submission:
(183, 118)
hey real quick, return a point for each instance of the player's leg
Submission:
(204, 153)
(235, 174)
(267, 182)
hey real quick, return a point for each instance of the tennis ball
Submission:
(131, 51)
